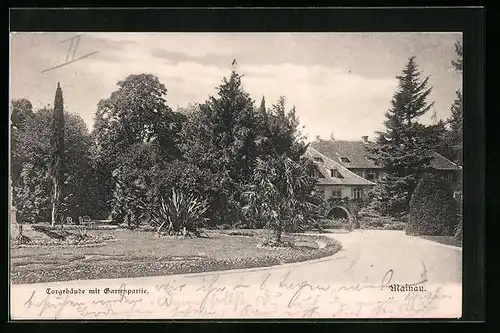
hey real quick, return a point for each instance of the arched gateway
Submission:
(335, 210)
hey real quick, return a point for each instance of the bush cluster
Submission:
(369, 218)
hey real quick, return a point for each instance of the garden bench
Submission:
(87, 221)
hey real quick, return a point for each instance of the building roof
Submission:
(348, 177)
(355, 151)
(353, 154)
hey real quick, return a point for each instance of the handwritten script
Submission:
(71, 55)
(217, 296)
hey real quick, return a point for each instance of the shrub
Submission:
(224, 226)
(179, 212)
(395, 226)
(369, 218)
(433, 211)
(241, 233)
(333, 224)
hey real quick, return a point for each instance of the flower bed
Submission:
(72, 237)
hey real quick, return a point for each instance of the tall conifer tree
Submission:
(220, 137)
(455, 136)
(404, 150)
(57, 156)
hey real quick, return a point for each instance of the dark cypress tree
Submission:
(403, 150)
(57, 156)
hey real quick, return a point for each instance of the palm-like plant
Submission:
(282, 193)
(179, 212)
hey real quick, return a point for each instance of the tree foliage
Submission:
(137, 112)
(458, 64)
(33, 191)
(135, 117)
(454, 135)
(278, 131)
(433, 211)
(404, 149)
(144, 163)
(21, 111)
(219, 137)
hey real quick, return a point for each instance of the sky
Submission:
(340, 83)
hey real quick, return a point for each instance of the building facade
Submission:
(359, 172)
(335, 180)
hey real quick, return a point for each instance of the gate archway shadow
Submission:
(341, 212)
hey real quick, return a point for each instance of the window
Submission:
(345, 159)
(449, 177)
(371, 175)
(317, 174)
(336, 193)
(356, 193)
(318, 159)
(335, 173)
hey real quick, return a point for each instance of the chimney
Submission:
(365, 139)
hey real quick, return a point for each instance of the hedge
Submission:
(433, 211)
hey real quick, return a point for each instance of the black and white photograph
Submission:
(250, 175)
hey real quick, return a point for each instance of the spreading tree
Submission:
(404, 148)
(57, 156)
(135, 114)
(21, 113)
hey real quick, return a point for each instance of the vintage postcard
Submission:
(235, 175)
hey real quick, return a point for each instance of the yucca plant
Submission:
(180, 211)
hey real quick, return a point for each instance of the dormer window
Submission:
(335, 173)
(345, 159)
(316, 173)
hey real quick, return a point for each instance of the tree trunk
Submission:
(279, 231)
(56, 202)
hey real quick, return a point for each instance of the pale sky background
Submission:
(339, 82)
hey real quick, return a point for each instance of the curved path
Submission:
(357, 282)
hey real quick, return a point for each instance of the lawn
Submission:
(135, 254)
